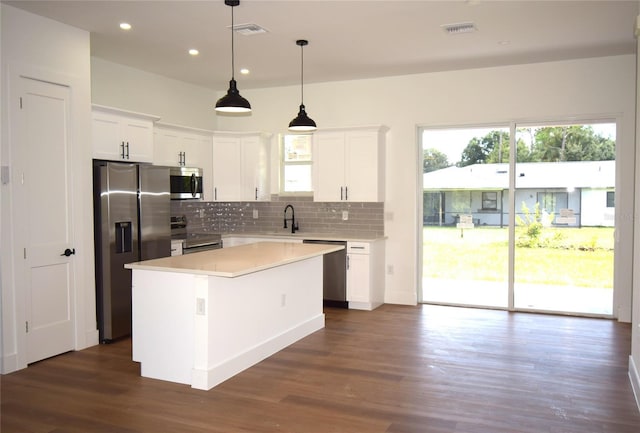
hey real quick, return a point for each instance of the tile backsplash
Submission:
(366, 219)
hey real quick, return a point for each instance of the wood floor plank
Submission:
(398, 369)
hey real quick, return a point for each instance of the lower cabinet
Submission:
(365, 274)
(176, 247)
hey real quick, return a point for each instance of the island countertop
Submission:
(236, 261)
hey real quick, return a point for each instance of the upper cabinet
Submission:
(240, 166)
(180, 146)
(122, 135)
(348, 164)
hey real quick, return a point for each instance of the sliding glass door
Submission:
(528, 229)
(465, 216)
(564, 205)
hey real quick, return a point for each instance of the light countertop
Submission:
(236, 261)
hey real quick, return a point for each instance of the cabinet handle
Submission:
(346, 193)
(357, 248)
(347, 262)
(122, 146)
(215, 193)
(256, 194)
(341, 193)
(127, 150)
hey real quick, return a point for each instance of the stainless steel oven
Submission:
(201, 242)
(193, 242)
(186, 183)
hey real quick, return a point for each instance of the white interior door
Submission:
(43, 208)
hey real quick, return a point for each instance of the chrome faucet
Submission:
(294, 224)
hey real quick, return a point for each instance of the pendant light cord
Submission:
(233, 67)
(302, 74)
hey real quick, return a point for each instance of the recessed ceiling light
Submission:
(194, 52)
(244, 71)
(125, 26)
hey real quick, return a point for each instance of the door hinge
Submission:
(24, 252)
(26, 325)
(21, 102)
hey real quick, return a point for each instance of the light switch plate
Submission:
(345, 215)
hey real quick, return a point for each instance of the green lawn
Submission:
(581, 257)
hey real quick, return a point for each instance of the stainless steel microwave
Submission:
(186, 183)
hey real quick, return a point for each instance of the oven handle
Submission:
(199, 248)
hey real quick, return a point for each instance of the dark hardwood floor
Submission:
(397, 369)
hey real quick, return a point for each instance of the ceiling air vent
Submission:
(249, 29)
(459, 28)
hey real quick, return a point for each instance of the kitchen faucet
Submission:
(294, 224)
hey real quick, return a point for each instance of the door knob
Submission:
(68, 252)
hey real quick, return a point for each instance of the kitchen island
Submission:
(201, 318)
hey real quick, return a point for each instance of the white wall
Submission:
(173, 101)
(586, 89)
(46, 50)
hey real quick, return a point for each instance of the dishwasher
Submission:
(334, 274)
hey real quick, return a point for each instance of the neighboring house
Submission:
(576, 194)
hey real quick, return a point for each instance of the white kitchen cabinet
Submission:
(180, 146)
(365, 274)
(119, 135)
(240, 166)
(348, 164)
(176, 247)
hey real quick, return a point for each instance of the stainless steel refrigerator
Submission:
(132, 222)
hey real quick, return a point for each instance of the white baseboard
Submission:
(207, 379)
(400, 298)
(634, 377)
(10, 363)
(91, 338)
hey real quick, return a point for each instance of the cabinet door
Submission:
(255, 173)
(362, 168)
(105, 136)
(227, 178)
(138, 138)
(198, 153)
(328, 166)
(358, 282)
(166, 147)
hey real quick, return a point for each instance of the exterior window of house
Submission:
(489, 200)
(296, 163)
(611, 199)
(552, 202)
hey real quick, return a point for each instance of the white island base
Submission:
(192, 327)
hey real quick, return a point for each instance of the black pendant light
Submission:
(232, 102)
(302, 122)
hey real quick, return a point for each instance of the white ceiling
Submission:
(347, 39)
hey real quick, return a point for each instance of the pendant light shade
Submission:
(232, 102)
(302, 122)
